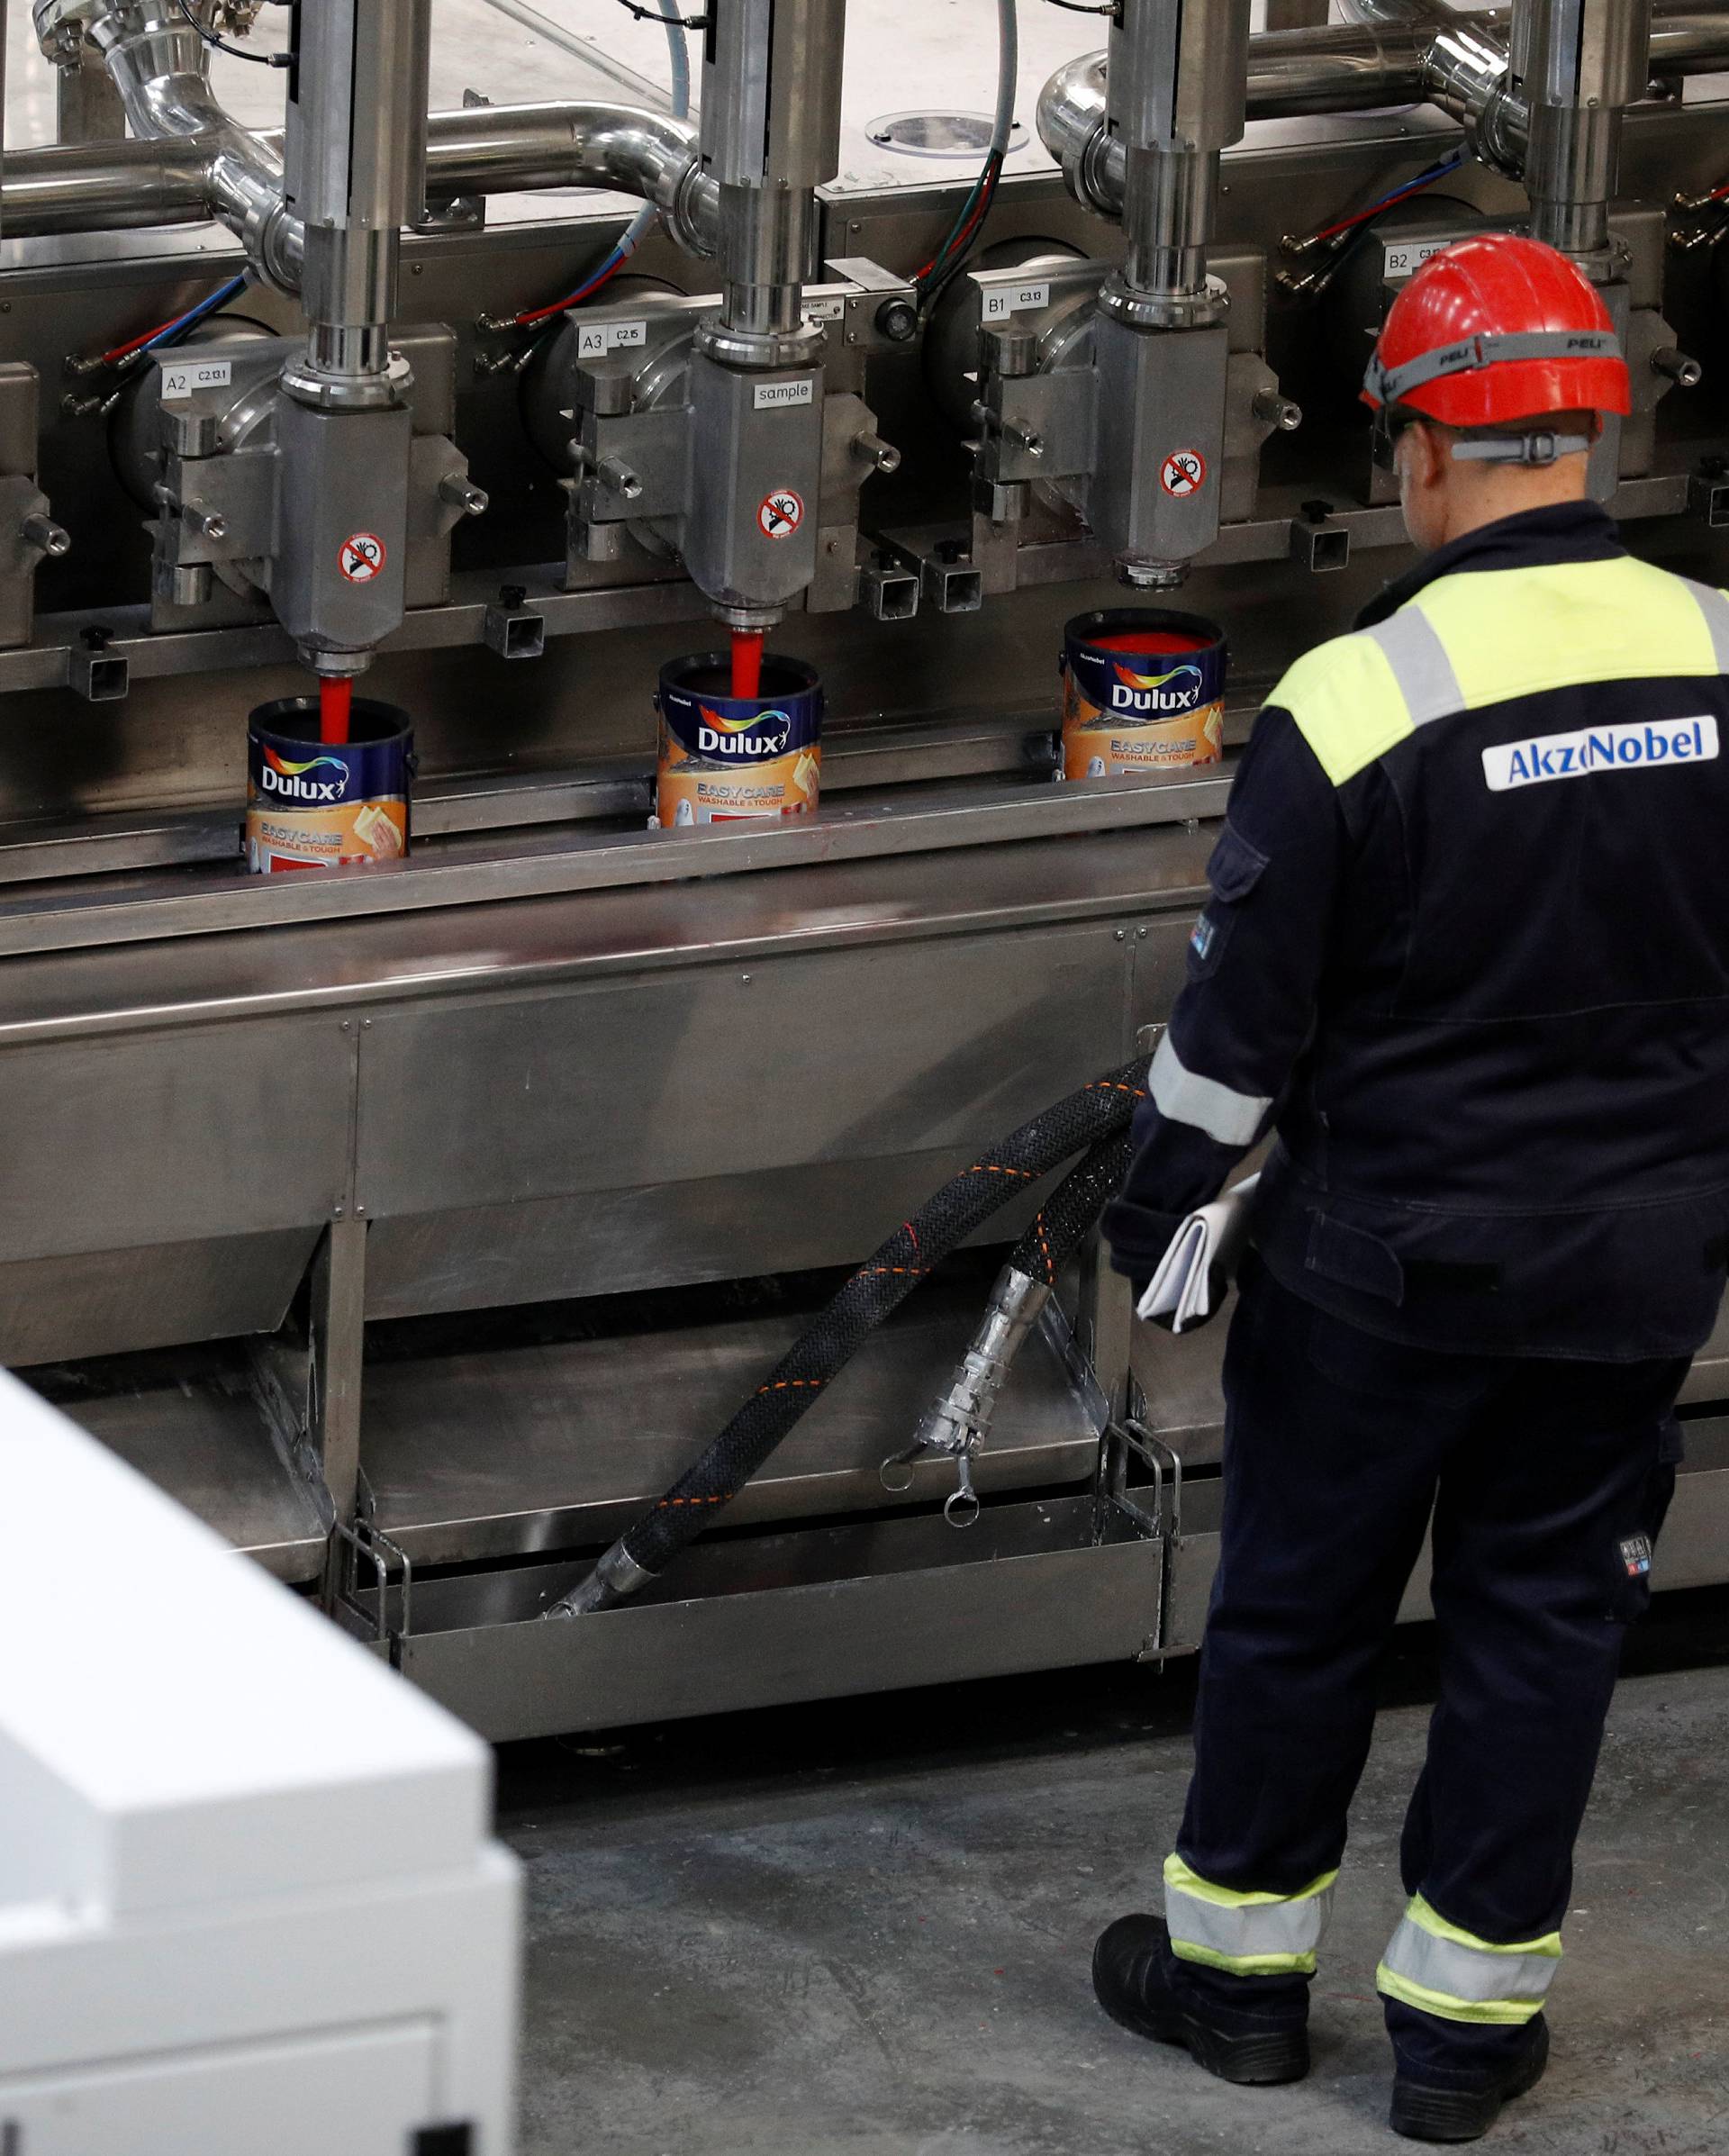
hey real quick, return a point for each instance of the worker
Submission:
(1466, 954)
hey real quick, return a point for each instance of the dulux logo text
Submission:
(717, 736)
(1132, 692)
(289, 781)
(1661, 743)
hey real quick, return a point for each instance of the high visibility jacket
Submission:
(1467, 951)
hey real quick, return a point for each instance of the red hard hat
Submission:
(1495, 329)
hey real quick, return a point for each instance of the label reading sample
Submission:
(1404, 256)
(362, 556)
(781, 513)
(769, 397)
(1004, 300)
(594, 339)
(180, 377)
(1642, 746)
(825, 307)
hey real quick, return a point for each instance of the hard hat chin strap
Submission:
(1542, 445)
(1388, 386)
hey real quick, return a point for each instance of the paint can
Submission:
(724, 757)
(318, 804)
(1142, 690)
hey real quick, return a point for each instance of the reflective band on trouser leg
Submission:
(1231, 1118)
(1433, 1965)
(1246, 1935)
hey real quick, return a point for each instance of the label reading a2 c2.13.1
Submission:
(1404, 256)
(180, 377)
(1005, 300)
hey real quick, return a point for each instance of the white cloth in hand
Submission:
(1181, 1290)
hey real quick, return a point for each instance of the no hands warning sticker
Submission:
(782, 513)
(1183, 472)
(362, 556)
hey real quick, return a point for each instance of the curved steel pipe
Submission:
(158, 64)
(1405, 52)
(493, 150)
(192, 161)
(504, 149)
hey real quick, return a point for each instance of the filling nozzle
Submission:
(770, 137)
(1576, 65)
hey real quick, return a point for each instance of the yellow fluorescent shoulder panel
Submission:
(1518, 633)
(1347, 704)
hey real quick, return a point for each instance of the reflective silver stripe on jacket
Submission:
(1233, 1119)
(1713, 605)
(1245, 1930)
(1414, 650)
(1500, 1983)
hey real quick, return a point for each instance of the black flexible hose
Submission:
(1071, 1210)
(1100, 1108)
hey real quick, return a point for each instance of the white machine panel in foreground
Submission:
(248, 1906)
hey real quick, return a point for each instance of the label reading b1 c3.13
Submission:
(999, 303)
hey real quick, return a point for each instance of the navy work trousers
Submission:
(1340, 1449)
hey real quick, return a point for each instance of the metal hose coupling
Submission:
(955, 1425)
(614, 1580)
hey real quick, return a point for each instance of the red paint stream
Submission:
(335, 695)
(747, 662)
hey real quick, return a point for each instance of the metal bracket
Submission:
(365, 1542)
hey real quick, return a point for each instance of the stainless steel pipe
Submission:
(493, 149)
(1578, 64)
(1349, 68)
(507, 149)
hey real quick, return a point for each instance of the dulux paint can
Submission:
(724, 757)
(321, 804)
(1142, 690)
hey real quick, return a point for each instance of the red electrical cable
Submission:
(956, 240)
(587, 291)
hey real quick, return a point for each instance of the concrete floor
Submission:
(863, 1929)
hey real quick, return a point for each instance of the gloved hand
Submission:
(1138, 1238)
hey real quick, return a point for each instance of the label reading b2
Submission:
(1403, 257)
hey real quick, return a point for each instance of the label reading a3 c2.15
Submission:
(180, 377)
(772, 396)
(594, 339)
(1403, 257)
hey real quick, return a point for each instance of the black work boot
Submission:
(1134, 1973)
(1424, 2111)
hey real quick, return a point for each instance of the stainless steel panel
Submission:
(106, 1303)
(209, 1449)
(1120, 877)
(936, 819)
(607, 1242)
(486, 1455)
(993, 1615)
(841, 1055)
(173, 1136)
